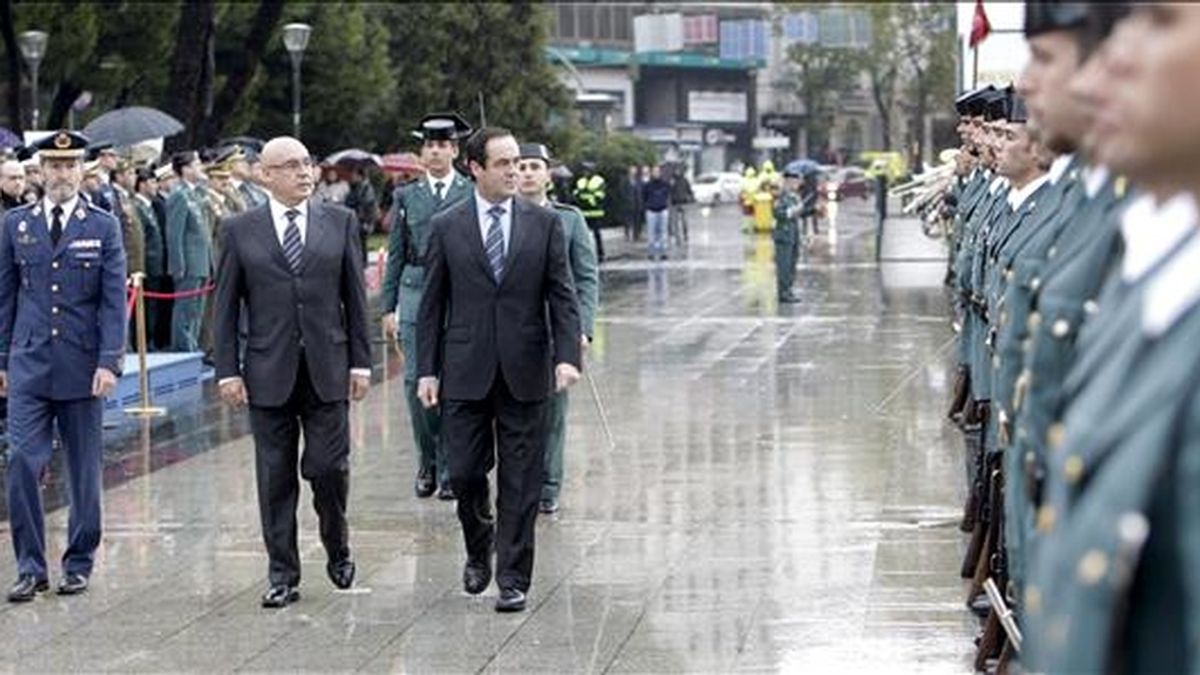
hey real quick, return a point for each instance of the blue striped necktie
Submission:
(495, 243)
(293, 248)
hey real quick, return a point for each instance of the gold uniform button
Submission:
(1035, 320)
(1091, 307)
(1073, 469)
(53, 288)
(1008, 275)
(1092, 567)
(1045, 518)
(1036, 284)
(1055, 434)
(1061, 328)
(54, 309)
(53, 332)
(54, 264)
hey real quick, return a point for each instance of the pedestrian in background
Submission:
(656, 196)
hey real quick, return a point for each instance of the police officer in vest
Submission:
(533, 182)
(590, 195)
(62, 332)
(414, 204)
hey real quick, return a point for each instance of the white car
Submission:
(717, 188)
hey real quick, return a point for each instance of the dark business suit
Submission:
(306, 330)
(493, 346)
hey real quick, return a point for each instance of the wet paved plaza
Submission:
(783, 496)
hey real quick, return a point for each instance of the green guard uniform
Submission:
(581, 260)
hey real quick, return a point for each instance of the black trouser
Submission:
(325, 465)
(475, 434)
(594, 226)
(158, 314)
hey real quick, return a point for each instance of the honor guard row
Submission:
(1076, 276)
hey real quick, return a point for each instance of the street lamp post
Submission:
(33, 49)
(295, 38)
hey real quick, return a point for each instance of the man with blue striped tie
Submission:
(294, 265)
(497, 332)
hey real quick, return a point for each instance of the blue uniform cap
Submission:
(62, 144)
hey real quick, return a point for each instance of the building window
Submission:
(565, 29)
(622, 23)
(604, 22)
(838, 27)
(585, 22)
(746, 39)
(800, 27)
(699, 29)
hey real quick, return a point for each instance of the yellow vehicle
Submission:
(891, 164)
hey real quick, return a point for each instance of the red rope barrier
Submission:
(181, 295)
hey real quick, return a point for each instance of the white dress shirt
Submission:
(280, 220)
(485, 219)
(446, 182)
(68, 210)
(1017, 197)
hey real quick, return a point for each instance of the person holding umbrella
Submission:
(413, 207)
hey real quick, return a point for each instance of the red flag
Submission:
(980, 26)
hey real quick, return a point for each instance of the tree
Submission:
(457, 56)
(822, 74)
(348, 90)
(881, 62)
(189, 98)
(928, 44)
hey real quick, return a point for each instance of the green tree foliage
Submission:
(927, 42)
(475, 59)
(370, 72)
(822, 75)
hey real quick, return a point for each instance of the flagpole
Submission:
(975, 66)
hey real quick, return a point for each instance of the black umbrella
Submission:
(126, 126)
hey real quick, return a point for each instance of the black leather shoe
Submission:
(341, 573)
(26, 588)
(476, 577)
(426, 483)
(280, 596)
(72, 584)
(446, 493)
(548, 505)
(510, 600)
(789, 299)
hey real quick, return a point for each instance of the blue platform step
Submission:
(171, 374)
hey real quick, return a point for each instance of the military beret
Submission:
(442, 127)
(62, 144)
(1045, 16)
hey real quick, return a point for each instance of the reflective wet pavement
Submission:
(782, 497)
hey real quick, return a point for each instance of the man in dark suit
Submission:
(486, 344)
(294, 265)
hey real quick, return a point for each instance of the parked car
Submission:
(720, 187)
(844, 182)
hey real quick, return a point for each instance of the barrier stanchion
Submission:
(145, 409)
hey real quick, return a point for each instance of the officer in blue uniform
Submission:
(413, 207)
(62, 333)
